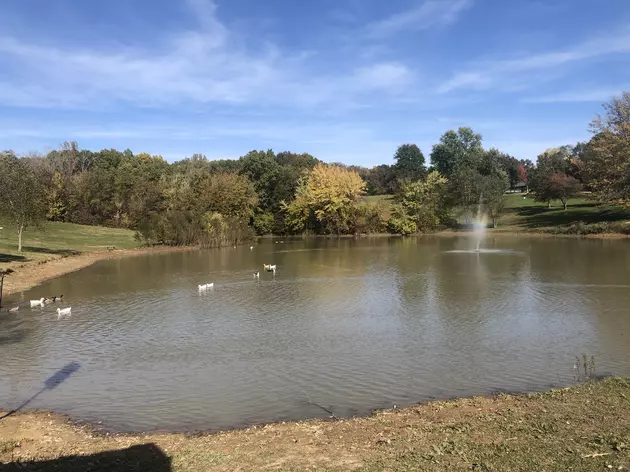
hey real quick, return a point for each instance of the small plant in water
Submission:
(584, 368)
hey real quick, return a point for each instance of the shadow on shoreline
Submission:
(145, 457)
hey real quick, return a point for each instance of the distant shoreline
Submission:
(31, 274)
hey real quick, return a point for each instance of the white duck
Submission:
(205, 286)
(36, 303)
(256, 275)
(64, 311)
(13, 310)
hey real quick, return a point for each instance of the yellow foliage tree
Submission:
(326, 200)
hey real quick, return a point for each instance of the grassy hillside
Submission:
(524, 214)
(54, 240)
(583, 216)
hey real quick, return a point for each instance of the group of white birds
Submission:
(42, 302)
(268, 267)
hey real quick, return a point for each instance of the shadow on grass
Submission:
(584, 212)
(12, 258)
(145, 457)
(55, 252)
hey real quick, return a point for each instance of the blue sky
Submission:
(345, 80)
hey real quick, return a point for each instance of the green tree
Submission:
(22, 197)
(424, 203)
(409, 162)
(494, 188)
(461, 148)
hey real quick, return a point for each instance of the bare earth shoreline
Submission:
(31, 274)
(582, 428)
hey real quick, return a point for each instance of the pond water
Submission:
(351, 325)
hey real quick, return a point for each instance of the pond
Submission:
(348, 325)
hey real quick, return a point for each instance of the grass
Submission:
(583, 216)
(582, 428)
(523, 214)
(55, 240)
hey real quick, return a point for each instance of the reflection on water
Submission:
(347, 325)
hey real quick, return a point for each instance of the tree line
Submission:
(219, 202)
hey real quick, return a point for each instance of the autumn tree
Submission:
(552, 164)
(325, 200)
(607, 155)
(562, 187)
(22, 197)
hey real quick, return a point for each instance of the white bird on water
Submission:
(36, 303)
(64, 311)
(256, 275)
(13, 310)
(205, 287)
(251, 248)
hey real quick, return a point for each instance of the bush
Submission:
(401, 224)
(264, 223)
(370, 218)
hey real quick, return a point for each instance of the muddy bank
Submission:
(582, 428)
(31, 274)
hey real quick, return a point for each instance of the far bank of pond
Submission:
(582, 428)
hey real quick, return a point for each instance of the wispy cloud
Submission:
(512, 73)
(208, 64)
(591, 95)
(428, 14)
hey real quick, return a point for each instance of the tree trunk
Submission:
(495, 222)
(20, 231)
(549, 204)
(1, 287)
(564, 203)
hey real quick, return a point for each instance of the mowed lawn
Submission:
(523, 213)
(54, 240)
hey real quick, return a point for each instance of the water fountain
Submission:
(479, 226)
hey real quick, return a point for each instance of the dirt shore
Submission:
(31, 274)
(582, 428)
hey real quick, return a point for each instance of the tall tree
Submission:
(494, 188)
(456, 148)
(607, 155)
(22, 197)
(409, 162)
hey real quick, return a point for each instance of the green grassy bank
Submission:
(53, 240)
(583, 216)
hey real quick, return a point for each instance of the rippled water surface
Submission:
(352, 325)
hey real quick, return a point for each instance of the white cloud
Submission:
(209, 64)
(513, 73)
(428, 14)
